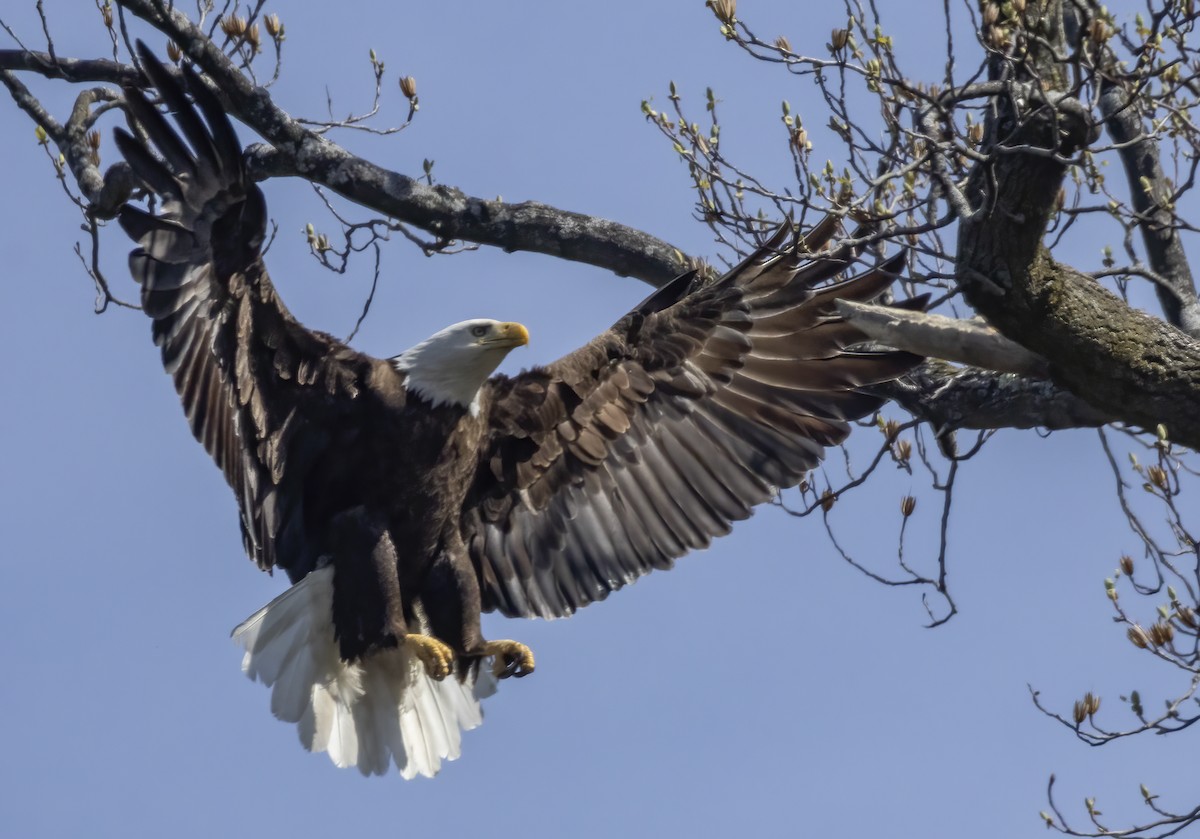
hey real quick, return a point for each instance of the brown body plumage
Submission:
(402, 508)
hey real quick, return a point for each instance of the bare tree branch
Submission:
(297, 151)
(952, 398)
(938, 336)
(444, 212)
(75, 70)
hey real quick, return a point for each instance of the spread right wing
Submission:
(268, 398)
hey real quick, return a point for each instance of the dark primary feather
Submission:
(649, 441)
(265, 396)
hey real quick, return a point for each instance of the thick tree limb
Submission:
(1124, 363)
(952, 398)
(937, 336)
(1003, 386)
(450, 213)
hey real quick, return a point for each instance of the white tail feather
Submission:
(368, 713)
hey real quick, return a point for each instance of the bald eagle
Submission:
(405, 496)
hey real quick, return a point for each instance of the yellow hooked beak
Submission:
(509, 335)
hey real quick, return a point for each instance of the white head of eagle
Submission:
(450, 366)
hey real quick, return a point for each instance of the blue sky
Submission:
(761, 688)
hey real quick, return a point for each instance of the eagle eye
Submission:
(478, 331)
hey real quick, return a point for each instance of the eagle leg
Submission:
(512, 658)
(437, 657)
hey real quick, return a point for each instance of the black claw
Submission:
(513, 668)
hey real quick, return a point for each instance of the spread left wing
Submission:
(649, 441)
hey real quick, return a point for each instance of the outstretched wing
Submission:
(261, 393)
(649, 441)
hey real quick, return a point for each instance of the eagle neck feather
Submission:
(440, 383)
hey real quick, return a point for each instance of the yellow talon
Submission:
(437, 657)
(512, 658)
